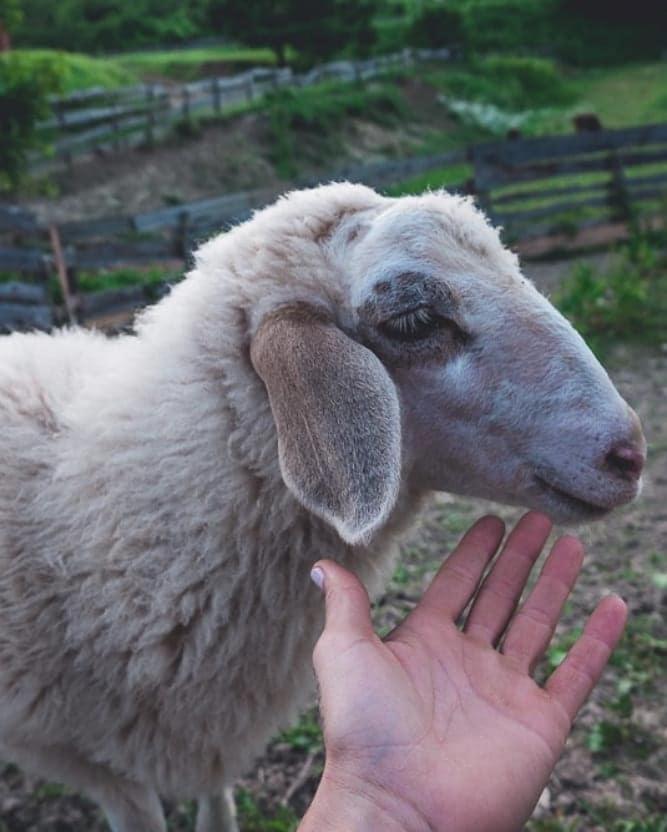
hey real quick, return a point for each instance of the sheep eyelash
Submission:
(418, 324)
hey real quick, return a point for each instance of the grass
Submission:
(623, 96)
(311, 118)
(76, 71)
(253, 819)
(626, 303)
(189, 64)
(446, 177)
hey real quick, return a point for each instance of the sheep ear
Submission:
(338, 419)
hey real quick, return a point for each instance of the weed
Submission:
(306, 735)
(626, 303)
(253, 819)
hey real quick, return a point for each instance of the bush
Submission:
(98, 25)
(23, 102)
(512, 83)
(436, 26)
(73, 71)
(627, 303)
(586, 33)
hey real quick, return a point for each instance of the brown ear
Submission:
(338, 419)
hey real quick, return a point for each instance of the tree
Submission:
(100, 25)
(10, 16)
(314, 30)
(24, 91)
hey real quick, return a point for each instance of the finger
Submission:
(533, 626)
(457, 579)
(502, 587)
(574, 679)
(346, 600)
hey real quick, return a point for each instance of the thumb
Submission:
(348, 611)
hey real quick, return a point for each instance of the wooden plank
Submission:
(15, 218)
(560, 207)
(17, 316)
(544, 193)
(23, 260)
(524, 151)
(105, 255)
(95, 115)
(487, 177)
(103, 227)
(15, 292)
(98, 136)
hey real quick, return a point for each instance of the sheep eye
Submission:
(411, 326)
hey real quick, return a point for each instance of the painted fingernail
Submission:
(317, 577)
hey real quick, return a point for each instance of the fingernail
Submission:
(317, 577)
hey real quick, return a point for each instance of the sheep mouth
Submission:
(574, 506)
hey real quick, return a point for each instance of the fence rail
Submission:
(101, 120)
(534, 187)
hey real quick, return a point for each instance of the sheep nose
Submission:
(626, 460)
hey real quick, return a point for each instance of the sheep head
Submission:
(433, 364)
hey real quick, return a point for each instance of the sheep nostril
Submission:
(627, 461)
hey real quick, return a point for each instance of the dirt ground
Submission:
(614, 765)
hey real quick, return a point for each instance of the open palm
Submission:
(446, 725)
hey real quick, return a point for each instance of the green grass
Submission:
(623, 96)
(188, 64)
(307, 122)
(253, 819)
(306, 735)
(121, 278)
(626, 303)
(438, 178)
(76, 71)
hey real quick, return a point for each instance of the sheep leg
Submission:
(130, 807)
(217, 813)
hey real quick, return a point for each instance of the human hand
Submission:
(437, 728)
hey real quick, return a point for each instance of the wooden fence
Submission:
(100, 120)
(544, 187)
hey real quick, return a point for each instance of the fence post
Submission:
(150, 115)
(619, 197)
(185, 109)
(182, 241)
(62, 128)
(61, 271)
(215, 92)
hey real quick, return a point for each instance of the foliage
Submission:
(562, 28)
(72, 71)
(317, 113)
(306, 735)
(120, 278)
(512, 83)
(449, 177)
(253, 819)
(190, 64)
(23, 102)
(96, 25)
(11, 14)
(314, 30)
(435, 25)
(628, 302)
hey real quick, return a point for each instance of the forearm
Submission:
(341, 805)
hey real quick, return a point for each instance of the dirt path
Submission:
(615, 761)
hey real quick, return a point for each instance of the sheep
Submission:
(322, 369)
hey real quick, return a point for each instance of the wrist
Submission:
(346, 804)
